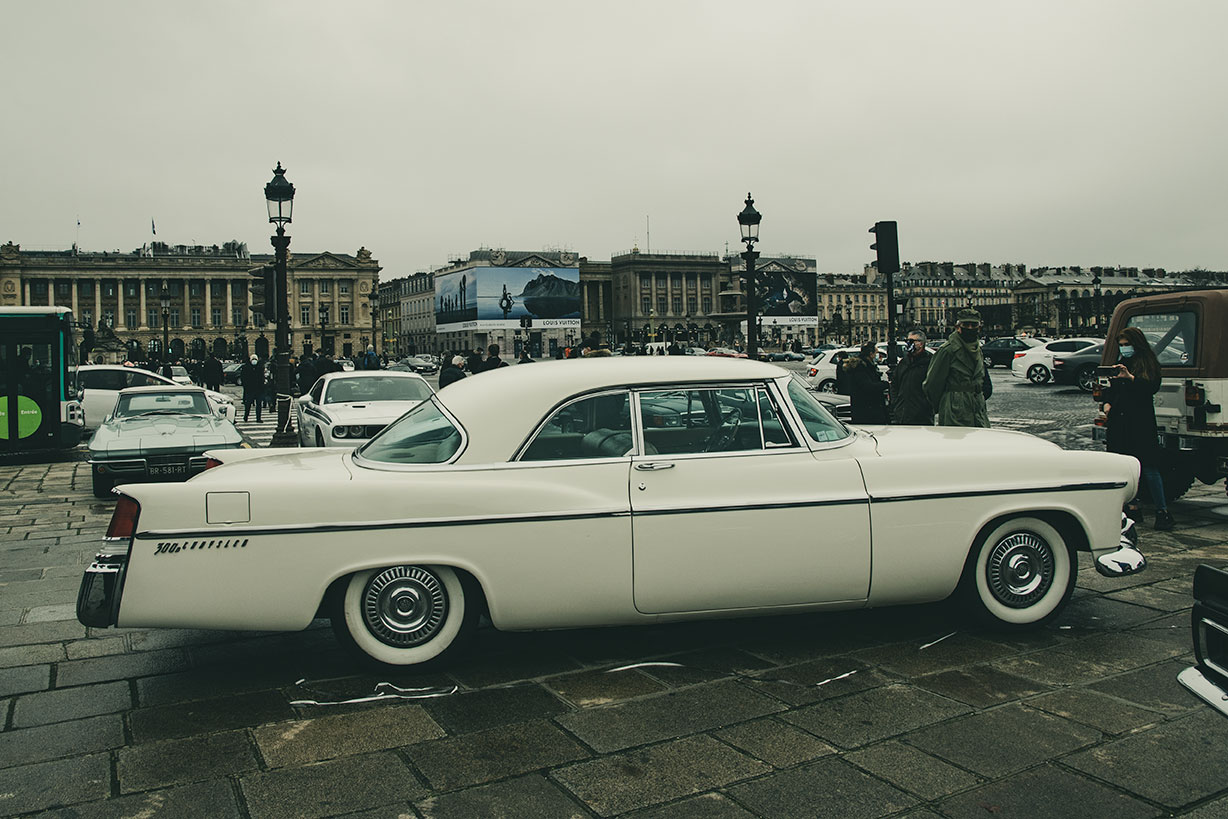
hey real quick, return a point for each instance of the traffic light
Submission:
(887, 245)
(264, 291)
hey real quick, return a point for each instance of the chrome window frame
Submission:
(781, 384)
(383, 466)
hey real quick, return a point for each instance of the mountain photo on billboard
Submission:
(548, 296)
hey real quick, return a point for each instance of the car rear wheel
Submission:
(1019, 574)
(828, 385)
(1086, 378)
(1038, 374)
(404, 615)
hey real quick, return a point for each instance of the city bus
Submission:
(40, 394)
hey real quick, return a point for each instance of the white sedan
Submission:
(102, 383)
(1036, 363)
(603, 492)
(347, 408)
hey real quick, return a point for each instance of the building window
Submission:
(152, 316)
(304, 314)
(343, 287)
(108, 316)
(236, 315)
(661, 305)
(258, 319)
(195, 316)
(325, 287)
(217, 289)
(63, 289)
(690, 304)
(85, 288)
(175, 317)
(304, 288)
(108, 288)
(707, 304)
(130, 288)
(130, 319)
(344, 312)
(216, 318)
(87, 316)
(645, 281)
(645, 305)
(677, 305)
(660, 282)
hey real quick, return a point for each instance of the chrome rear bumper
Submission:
(101, 587)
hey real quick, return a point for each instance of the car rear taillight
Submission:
(1059, 362)
(212, 462)
(813, 372)
(123, 519)
(1019, 355)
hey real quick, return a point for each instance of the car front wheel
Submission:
(1038, 374)
(1019, 575)
(404, 615)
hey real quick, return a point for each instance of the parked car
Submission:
(1000, 352)
(420, 365)
(725, 352)
(785, 355)
(230, 373)
(1188, 331)
(1036, 363)
(562, 505)
(1208, 677)
(103, 382)
(180, 376)
(157, 433)
(345, 409)
(346, 364)
(821, 375)
(1078, 368)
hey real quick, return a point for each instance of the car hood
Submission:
(896, 441)
(161, 433)
(368, 412)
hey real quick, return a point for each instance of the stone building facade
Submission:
(662, 297)
(209, 297)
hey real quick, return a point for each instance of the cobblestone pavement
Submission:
(899, 712)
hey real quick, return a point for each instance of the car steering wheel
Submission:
(725, 433)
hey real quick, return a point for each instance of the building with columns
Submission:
(209, 298)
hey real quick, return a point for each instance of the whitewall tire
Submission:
(404, 615)
(1019, 575)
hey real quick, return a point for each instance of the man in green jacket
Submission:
(956, 379)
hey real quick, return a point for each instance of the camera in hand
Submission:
(1106, 371)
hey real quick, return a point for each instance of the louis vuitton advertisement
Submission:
(787, 297)
(497, 298)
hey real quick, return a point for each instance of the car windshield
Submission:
(819, 423)
(350, 390)
(161, 403)
(424, 435)
(179, 372)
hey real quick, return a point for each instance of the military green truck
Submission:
(1189, 333)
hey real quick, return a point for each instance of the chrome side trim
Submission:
(1210, 693)
(980, 493)
(749, 507)
(415, 523)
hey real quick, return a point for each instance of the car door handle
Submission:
(653, 466)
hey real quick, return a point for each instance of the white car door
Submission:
(729, 510)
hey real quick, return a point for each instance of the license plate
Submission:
(173, 469)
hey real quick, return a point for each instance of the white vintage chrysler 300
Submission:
(608, 491)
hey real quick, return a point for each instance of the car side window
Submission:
(775, 431)
(598, 426)
(691, 421)
(103, 380)
(317, 390)
(136, 379)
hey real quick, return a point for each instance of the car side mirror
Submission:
(306, 399)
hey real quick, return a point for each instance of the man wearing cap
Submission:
(955, 382)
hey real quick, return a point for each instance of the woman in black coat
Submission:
(1131, 417)
(866, 387)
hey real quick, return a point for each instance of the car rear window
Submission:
(1173, 336)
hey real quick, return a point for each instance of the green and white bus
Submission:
(40, 394)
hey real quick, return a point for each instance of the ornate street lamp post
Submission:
(165, 298)
(1096, 288)
(748, 221)
(279, 196)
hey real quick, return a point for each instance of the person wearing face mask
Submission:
(1130, 414)
(956, 383)
(909, 403)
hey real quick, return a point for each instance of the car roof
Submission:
(499, 408)
(183, 388)
(371, 374)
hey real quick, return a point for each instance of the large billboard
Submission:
(497, 298)
(787, 297)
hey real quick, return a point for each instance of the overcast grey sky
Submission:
(1044, 132)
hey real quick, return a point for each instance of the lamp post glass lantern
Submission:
(748, 222)
(279, 197)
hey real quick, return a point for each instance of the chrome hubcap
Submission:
(1020, 569)
(404, 606)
